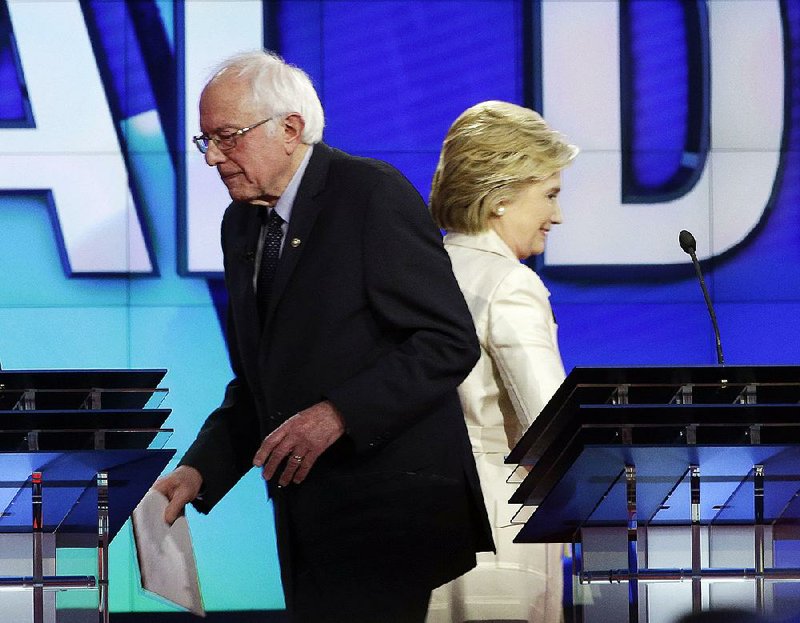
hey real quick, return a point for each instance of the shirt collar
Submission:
(487, 240)
(285, 202)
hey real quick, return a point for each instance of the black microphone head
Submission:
(688, 243)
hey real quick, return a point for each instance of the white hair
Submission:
(278, 88)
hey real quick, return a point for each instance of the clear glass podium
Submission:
(677, 487)
(78, 451)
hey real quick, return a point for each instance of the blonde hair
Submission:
(491, 152)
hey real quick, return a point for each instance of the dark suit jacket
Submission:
(366, 313)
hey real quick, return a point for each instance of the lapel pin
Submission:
(295, 242)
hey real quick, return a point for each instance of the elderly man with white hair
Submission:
(348, 336)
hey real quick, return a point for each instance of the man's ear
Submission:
(293, 126)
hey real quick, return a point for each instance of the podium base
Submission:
(15, 562)
(601, 591)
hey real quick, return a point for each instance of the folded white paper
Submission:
(166, 558)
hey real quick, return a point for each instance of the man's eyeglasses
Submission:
(224, 141)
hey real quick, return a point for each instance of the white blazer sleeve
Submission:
(522, 342)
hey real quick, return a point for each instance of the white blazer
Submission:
(520, 366)
(519, 370)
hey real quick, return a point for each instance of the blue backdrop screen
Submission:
(109, 218)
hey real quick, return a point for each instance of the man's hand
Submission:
(180, 487)
(300, 440)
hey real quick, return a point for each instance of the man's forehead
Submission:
(224, 107)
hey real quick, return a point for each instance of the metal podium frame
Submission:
(78, 451)
(629, 451)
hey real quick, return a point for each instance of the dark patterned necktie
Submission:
(269, 261)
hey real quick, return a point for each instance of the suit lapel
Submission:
(304, 213)
(245, 254)
(240, 282)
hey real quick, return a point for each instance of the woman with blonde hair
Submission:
(495, 192)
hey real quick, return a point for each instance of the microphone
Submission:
(689, 245)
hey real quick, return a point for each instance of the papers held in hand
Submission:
(166, 557)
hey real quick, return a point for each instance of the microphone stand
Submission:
(689, 245)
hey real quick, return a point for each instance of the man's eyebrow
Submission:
(222, 128)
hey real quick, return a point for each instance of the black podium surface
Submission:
(662, 420)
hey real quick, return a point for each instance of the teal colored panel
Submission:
(31, 270)
(64, 337)
(76, 561)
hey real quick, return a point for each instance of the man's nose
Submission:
(214, 155)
